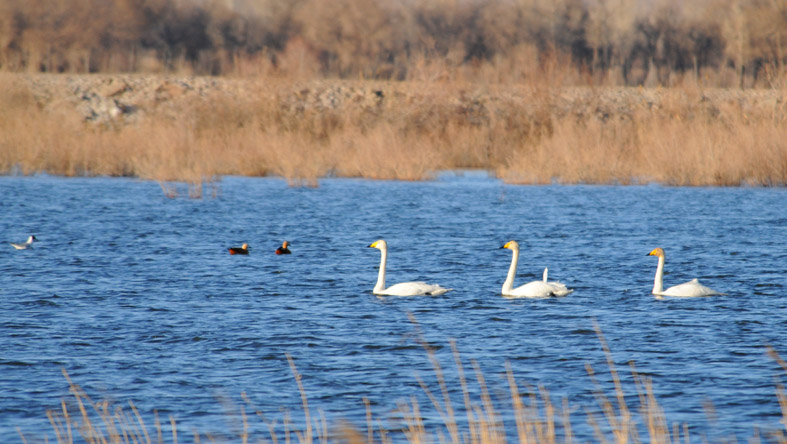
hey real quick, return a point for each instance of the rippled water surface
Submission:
(135, 295)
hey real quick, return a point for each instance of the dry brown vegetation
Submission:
(529, 133)
(688, 141)
(477, 419)
(721, 43)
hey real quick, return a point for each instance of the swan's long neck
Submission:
(658, 282)
(380, 286)
(509, 283)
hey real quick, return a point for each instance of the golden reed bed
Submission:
(196, 129)
(477, 419)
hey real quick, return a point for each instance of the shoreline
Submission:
(191, 129)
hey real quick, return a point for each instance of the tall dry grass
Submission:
(304, 131)
(526, 415)
(687, 142)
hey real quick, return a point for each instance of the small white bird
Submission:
(24, 245)
(689, 289)
(405, 288)
(535, 289)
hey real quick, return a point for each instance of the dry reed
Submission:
(721, 144)
(407, 131)
(477, 421)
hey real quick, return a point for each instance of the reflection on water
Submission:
(136, 296)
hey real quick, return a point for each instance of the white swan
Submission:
(689, 289)
(25, 245)
(535, 289)
(405, 288)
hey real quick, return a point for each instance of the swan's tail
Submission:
(546, 271)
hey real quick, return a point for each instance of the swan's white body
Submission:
(25, 245)
(690, 289)
(405, 288)
(535, 289)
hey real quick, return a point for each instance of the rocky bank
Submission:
(124, 99)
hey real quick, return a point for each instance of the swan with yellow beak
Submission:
(405, 288)
(535, 289)
(690, 289)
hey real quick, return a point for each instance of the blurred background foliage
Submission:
(726, 43)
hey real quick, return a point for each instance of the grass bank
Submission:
(195, 130)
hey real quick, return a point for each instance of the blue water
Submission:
(135, 296)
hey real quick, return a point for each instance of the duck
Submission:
(283, 249)
(404, 288)
(24, 245)
(243, 249)
(689, 289)
(535, 289)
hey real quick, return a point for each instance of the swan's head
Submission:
(657, 252)
(245, 246)
(380, 245)
(511, 245)
(285, 244)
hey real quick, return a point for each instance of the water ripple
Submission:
(134, 295)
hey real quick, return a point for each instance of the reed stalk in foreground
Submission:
(528, 133)
(478, 421)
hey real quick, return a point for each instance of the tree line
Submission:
(623, 42)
